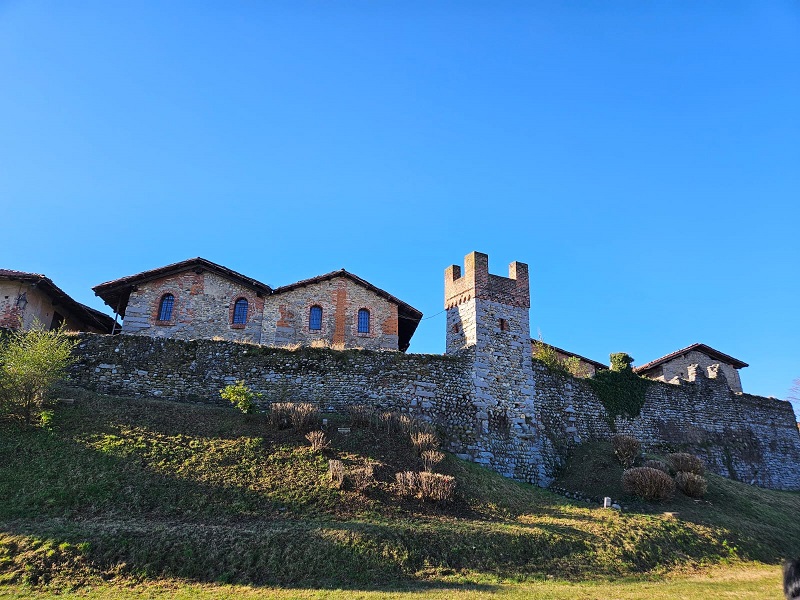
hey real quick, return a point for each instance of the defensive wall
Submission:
(748, 438)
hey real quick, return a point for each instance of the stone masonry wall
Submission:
(286, 316)
(431, 387)
(203, 308)
(745, 437)
(740, 436)
(679, 367)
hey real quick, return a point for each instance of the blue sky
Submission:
(642, 157)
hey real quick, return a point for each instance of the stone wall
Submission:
(433, 388)
(745, 437)
(286, 316)
(748, 438)
(203, 308)
(678, 368)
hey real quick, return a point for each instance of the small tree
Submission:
(30, 363)
(241, 396)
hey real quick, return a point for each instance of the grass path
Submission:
(742, 582)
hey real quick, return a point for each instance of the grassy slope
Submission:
(141, 489)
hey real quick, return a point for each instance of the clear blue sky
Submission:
(642, 157)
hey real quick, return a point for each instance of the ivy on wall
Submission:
(621, 391)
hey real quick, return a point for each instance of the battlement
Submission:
(477, 282)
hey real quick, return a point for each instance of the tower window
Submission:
(363, 321)
(504, 325)
(315, 318)
(165, 307)
(240, 312)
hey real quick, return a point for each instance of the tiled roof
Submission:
(115, 293)
(91, 316)
(594, 363)
(707, 350)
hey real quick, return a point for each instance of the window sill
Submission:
(165, 323)
(238, 325)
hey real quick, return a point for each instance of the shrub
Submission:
(691, 484)
(279, 414)
(626, 449)
(648, 483)
(46, 418)
(360, 415)
(431, 458)
(30, 363)
(241, 396)
(336, 472)
(300, 415)
(318, 441)
(435, 486)
(407, 483)
(620, 361)
(304, 415)
(657, 464)
(683, 462)
(362, 478)
(423, 440)
(388, 422)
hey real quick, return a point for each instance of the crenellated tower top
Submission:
(477, 283)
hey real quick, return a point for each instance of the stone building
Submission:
(199, 299)
(676, 366)
(29, 297)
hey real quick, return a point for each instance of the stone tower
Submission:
(487, 318)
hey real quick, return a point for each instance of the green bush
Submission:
(31, 362)
(241, 396)
(691, 484)
(648, 483)
(682, 462)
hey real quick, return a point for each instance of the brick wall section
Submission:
(678, 367)
(203, 308)
(286, 316)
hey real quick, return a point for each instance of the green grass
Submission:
(743, 583)
(149, 492)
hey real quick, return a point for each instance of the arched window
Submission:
(165, 307)
(363, 321)
(240, 312)
(315, 318)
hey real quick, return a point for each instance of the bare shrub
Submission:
(318, 441)
(657, 464)
(648, 483)
(304, 415)
(361, 478)
(626, 449)
(691, 484)
(360, 415)
(435, 486)
(423, 440)
(683, 462)
(279, 414)
(407, 483)
(336, 472)
(405, 423)
(388, 422)
(431, 458)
